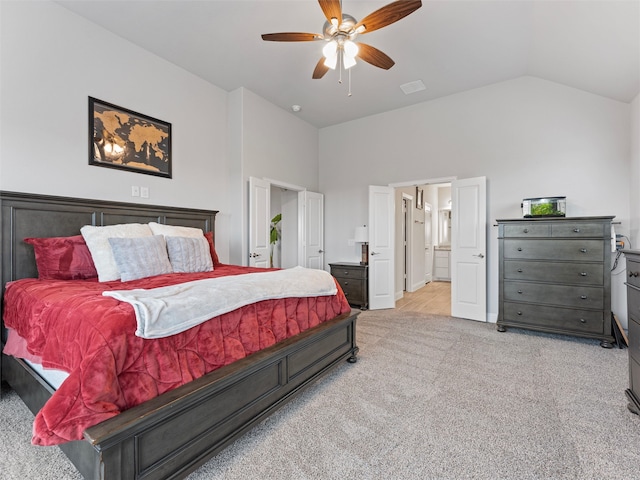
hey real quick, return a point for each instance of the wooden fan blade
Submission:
(374, 56)
(320, 70)
(331, 9)
(389, 14)
(291, 37)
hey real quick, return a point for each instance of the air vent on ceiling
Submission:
(412, 87)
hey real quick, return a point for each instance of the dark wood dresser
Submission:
(354, 280)
(554, 276)
(633, 310)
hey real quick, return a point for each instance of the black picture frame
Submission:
(419, 198)
(126, 140)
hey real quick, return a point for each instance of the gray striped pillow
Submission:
(140, 257)
(189, 254)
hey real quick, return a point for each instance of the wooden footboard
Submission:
(175, 433)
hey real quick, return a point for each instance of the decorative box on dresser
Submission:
(354, 280)
(633, 310)
(554, 276)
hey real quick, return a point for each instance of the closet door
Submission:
(259, 222)
(311, 222)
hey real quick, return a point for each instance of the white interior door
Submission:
(311, 207)
(259, 222)
(428, 247)
(469, 248)
(381, 247)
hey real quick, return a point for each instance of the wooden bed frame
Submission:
(175, 433)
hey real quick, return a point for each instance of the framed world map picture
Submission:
(127, 140)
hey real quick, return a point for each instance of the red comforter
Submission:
(72, 327)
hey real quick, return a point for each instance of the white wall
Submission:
(634, 184)
(52, 61)
(528, 136)
(266, 142)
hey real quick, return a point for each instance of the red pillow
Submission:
(212, 248)
(63, 258)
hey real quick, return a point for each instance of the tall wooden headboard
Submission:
(25, 215)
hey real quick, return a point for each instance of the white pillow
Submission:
(189, 254)
(174, 230)
(140, 257)
(97, 239)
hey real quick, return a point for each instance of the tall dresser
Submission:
(633, 310)
(554, 276)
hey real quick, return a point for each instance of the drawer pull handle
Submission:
(526, 230)
(583, 274)
(519, 249)
(582, 320)
(583, 297)
(346, 273)
(346, 283)
(520, 292)
(577, 230)
(519, 270)
(583, 250)
(633, 274)
(519, 312)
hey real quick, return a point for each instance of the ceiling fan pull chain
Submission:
(340, 63)
(349, 94)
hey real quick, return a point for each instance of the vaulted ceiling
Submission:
(450, 45)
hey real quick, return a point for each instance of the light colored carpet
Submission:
(431, 397)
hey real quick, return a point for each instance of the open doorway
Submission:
(296, 214)
(468, 266)
(423, 247)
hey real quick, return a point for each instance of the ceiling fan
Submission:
(341, 30)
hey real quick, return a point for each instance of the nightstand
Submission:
(354, 280)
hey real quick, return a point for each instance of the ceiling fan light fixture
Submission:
(330, 52)
(350, 48)
(330, 49)
(348, 61)
(331, 62)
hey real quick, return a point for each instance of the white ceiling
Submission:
(451, 45)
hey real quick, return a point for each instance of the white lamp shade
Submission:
(362, 235)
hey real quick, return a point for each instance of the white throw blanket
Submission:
(165, 311)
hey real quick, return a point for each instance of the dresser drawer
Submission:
(633, 273)
(578, 230)
(634, 341)
(563, 295)
(569, 250)
(572, 273)
(634, 376)
(527, 230)
(348, 272)
(633, 302)
(570, 320)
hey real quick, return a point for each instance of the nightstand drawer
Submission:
(353, 289)
(348, 272)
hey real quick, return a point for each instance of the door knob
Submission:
(479, 255)
(375, 253)
(320, 251)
